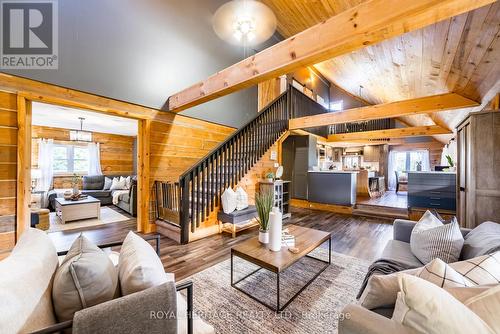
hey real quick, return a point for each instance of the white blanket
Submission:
(116, 195)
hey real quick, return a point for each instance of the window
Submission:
(336, 105)
(70, 159)
(408, 161)
(352, 161)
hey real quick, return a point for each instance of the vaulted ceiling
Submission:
(461, 54)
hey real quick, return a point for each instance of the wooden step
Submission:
(379, 211)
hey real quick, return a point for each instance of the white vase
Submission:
(75, 190)
(275, 226)
(263, 237)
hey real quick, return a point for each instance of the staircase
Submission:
(186, 204)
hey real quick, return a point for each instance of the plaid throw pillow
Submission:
(443, 275)
(480, 270)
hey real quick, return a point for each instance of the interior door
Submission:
(300, 167)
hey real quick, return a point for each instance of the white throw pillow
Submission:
(229, 200)
(431, 239)
(139, 267)
(107, 183)
(118, 184)
(241, 199)
(127, 181)
(426, 308)
(443, 275)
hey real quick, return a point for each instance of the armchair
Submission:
(128, 307)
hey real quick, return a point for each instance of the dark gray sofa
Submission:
(93, 185)
(484, 239)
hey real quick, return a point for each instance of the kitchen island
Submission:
(332, 187)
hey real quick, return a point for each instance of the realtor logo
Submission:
(29, 34)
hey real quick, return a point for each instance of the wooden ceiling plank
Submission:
(416, 131)
(489, 33)
(366, 24)
(470, 36)
(388, 110)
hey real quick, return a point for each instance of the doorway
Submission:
(75, 157)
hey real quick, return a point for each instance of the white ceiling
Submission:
(67, 118)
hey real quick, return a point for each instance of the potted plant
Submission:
(270, 177)
(450, 161)
(419, 166)
(452, 167)
(264, 203)
(75, 181)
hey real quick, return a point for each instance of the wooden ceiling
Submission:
(461, 55)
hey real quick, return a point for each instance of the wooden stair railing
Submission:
(188, 202)
(376, 124)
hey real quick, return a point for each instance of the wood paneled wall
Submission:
(8, 170)
(117, 153)
(176, 144)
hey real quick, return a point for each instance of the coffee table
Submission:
(251, 250)
(76, 210)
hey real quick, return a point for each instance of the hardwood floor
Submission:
(360, 237)
(389, 199)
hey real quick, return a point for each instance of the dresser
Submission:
(432, 190)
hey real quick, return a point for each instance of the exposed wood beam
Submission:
(387, 110)
(365, 142)
(432, 145)
(366, 24)
(414, 131)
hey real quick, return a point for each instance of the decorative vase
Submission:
(263, 237)
(75, 190)
(67, 194)
(275, 224)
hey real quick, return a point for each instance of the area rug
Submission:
(316, 310)
(108, 216)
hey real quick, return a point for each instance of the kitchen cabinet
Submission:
(371, 153)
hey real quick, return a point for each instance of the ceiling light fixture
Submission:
(244, 22)
(80, 135)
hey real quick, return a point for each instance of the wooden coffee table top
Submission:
(306, 240)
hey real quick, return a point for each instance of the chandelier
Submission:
(244, 22)
(80, 135)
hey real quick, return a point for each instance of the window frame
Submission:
(70, 158)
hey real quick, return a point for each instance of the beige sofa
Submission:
(26, 278)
